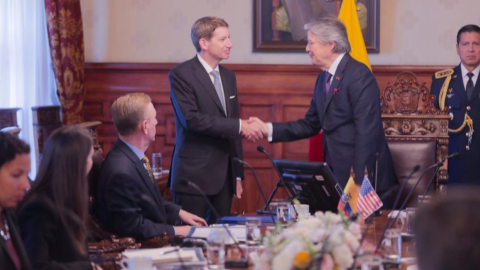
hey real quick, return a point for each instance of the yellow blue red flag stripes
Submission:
(348, 15)
(348, 201)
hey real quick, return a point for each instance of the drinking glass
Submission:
(392, 245)
(283, 212)
(157, 165)
(252, 228)
(410, 212)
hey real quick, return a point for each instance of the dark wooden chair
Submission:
(416, 132)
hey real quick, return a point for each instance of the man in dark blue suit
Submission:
(458, 91)
(208, 127)
(128, 202)
(346, 106)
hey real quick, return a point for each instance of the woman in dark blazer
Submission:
(14, 169)
(53, 215)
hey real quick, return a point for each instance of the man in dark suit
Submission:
(458, 91)
(128, 200)
(346, 106)
(205, 102)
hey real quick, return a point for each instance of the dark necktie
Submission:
(218, 88)
(326, 153)
(328, 77)
(469, 86)
(148, 167)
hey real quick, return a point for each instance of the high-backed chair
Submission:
(8, 117)
(416, 132)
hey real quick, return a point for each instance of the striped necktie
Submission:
(148, 167)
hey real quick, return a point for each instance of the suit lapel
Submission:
(147, 181)
(205, 81)
(476, 90)
(337, 78)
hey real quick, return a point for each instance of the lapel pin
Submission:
(338, 78)
(450, 90)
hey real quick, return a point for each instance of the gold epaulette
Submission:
(443, 73)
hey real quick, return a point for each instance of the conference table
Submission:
(373, 234)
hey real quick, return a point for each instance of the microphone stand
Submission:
(389, 225)
(429, 184)
(243, 262)
(262, 149)
(257, 181)
(378, 212)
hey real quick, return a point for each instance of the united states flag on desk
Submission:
(368, 201)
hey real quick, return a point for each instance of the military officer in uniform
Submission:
(458, 90)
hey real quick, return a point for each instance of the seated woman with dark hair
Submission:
(53, 215)
(14, 169)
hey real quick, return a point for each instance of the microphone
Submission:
(436, 165)
(261, 149)
(454, 155)
(243, 263)
(397, 198)
(256, 180)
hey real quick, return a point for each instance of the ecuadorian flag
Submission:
(348, 201)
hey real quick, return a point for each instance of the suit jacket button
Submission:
(467, 147)
(468, 108)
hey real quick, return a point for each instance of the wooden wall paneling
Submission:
(272, 92)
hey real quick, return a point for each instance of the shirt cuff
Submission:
(239, 179)
(270, 131)
(174, 230)
(240, 126)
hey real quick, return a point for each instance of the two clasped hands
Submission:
(254, 129)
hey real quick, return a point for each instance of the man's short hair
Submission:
(204, 28)
(330, 29)
(128, 111)
(467, 29)
(447, 231)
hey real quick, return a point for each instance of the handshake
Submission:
(254, 129)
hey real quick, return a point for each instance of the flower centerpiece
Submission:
(324, 241)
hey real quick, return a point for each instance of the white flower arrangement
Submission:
(324, 241)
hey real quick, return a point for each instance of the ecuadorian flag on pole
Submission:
(348, 201)
(349, 16)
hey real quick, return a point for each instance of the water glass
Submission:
(216, 248)
(252, 229)
(283, 212)
(410, 213)
(157, 165)
(392, 245)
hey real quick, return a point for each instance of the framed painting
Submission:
(278, 24)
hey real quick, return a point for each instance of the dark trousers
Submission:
(196, 204)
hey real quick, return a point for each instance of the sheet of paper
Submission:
(238, 232)
(166, 254)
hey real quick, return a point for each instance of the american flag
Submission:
(368, 202)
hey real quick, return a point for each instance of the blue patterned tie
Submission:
(218, 87)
